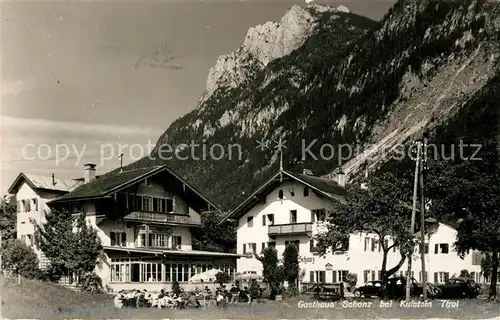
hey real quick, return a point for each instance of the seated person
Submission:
(245, 295)
(162, 294)
(119, 299)
(192, 301)
(234, 291)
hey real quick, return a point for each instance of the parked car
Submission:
(369, 289)
(459, 288)
(396, 288)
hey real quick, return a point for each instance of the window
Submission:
(293, 216)
(250, 222)
(35, 204)
(280, 194)
(27, 205)
(426, 249)
(264, 220)
(441, 277)
(253, 247)
(151, 271)
(270, 217)
(176, 242)
(342, 275)
(159, 239)
(367, 242)
(441, 248)
(169, 205)
(157, 207)
(263, 246)
(118, 238)
(306, 192)
(374, 243)
(420, 279)
(312, 247)
(342, 246)
(146, 203)
(369, 275)
(317, 276)
(318, 215)
(476, 258)
(131, 203)
(120, 270)
(244, 248)
(30, 239)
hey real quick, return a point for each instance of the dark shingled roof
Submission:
(327, 187)
(116, 180)
(107, 183)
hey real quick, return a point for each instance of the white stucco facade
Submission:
(32, 205)
(363, 257)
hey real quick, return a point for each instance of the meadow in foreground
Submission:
(32, 299)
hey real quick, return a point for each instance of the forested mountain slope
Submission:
(352, 81)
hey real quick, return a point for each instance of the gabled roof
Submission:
(117, 180)
(39, 182)
(326, 187)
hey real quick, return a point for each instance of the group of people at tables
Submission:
(144, 299)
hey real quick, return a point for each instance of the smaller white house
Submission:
(293, 208)
(32, 192)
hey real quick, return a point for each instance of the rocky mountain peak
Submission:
(263, 44)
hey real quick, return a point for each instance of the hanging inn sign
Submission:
(302, 259)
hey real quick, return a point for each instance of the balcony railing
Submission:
(287, 229)
(165, 218)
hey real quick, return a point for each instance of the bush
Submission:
(222, 278)
(266, 294)
(91, 282)
(254, 289)
(20, 259)
(351, 279)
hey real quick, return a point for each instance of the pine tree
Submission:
(291, 265)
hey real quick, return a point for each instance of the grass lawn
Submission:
(37, 300)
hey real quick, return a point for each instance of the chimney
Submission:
(89, 172)
(307, 172)
(340, 176)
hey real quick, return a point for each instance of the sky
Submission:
(78, 85)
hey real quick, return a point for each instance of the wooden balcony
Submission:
(162, 218)
(290, 229)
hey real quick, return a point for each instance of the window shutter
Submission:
(313, 216)
(334, 276)
(124, 239)
(446, 276)
(244, 248)
(435, 277)
(373, 244)
(380, 275)
(366, 244)
(264, 218)
(113, 238)
(436, 248)
(311, 276)
(365, 276)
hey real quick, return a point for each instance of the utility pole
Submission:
(422, 219)
(413, 214)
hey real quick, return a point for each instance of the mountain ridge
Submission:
(352, 82)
